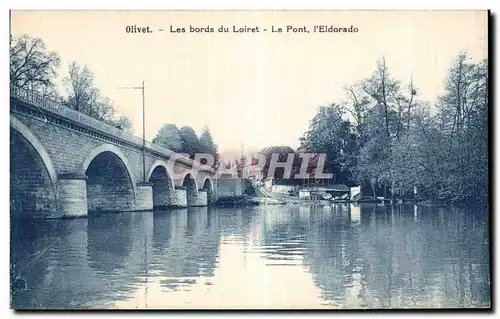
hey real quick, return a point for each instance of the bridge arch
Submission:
(163, 185)
(33, 178)
(189, 182)
(208, 186)
(110, 180)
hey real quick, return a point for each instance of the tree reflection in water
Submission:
(368, 256)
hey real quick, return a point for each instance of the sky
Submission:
(251, 89)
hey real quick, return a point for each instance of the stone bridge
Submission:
(65, 164)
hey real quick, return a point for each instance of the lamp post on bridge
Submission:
(143, 127)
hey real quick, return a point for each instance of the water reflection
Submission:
(346, 256)
(51, 257)
(395, 258)
(109, 242)
(185, 246)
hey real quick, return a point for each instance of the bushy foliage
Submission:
(386, 137)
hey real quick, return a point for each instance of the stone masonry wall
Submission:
(179, 198)
(228, 188)
(31, 191)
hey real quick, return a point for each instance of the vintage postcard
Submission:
(249, 160)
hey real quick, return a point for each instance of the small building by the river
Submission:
(268, 182)
(336, 191)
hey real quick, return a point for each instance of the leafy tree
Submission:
(84, 96)
(169, 136)
(35, 69)
(186, 141)
(374, 155)
(282, 152)
(207, 144)
(386, 137)
(123, 123)
(382, 89)
(356, 108)
(386, 121)
(32, 67)
(463, 124)
(329, 133)
(190, 141)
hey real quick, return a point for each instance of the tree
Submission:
(169, 136)
(207, 144)
(329, 133)
(35, 69)
(382, 89)
(103, 110)
(374, 155)
(282, 152)
(463, 122)
(123, 123)
(190, 141)
(387, 107)
(32, 67)
(83, 95)
(396, 144)
(356, 108)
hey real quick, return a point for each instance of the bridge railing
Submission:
(55, 107)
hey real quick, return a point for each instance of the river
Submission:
(280, 256)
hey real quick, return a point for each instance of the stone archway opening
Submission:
(191, 190)
(109, 184)
(163, 189)
(208, 187)
(32, 192)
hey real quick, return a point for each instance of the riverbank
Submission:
(245, 200)
(261, 196)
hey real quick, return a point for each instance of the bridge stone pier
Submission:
(66, 164)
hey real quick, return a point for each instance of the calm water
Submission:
(287, 256)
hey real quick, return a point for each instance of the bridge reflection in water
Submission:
(261, 257)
